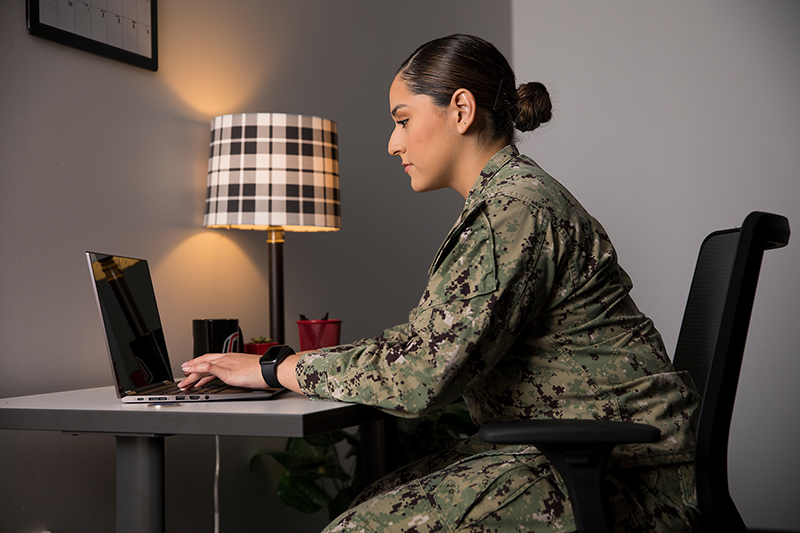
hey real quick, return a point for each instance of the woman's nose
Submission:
(395, 146)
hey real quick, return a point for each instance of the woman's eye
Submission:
(403, 123)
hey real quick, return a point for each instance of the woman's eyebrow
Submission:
(398, 107)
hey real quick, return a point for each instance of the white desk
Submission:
(140, 431)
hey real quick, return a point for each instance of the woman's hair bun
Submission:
(533, 106)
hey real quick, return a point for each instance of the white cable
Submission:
(216, 487)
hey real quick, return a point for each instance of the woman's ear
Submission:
(463, 109)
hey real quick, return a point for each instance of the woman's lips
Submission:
(406, 166)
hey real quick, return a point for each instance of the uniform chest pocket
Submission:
(465, 265)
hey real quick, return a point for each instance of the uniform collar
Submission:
(476, 195)
(498, 161)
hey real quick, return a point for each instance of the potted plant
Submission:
(259, 345)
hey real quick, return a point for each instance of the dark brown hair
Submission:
(442, 66)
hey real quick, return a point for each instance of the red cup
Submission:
(316, 334)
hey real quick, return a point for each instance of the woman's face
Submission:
(422, 138)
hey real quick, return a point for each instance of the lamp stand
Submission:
(276, 308)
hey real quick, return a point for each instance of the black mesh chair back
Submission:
(711, 347)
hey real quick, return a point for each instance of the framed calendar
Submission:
(125, 30)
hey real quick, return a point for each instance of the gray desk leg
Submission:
(140, 484)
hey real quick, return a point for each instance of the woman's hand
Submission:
(237, 369)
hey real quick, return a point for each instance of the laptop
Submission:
(135, 341)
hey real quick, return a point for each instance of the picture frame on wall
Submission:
(125, 30)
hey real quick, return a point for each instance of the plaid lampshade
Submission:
(268, 170)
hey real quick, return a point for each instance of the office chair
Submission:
(710, 347)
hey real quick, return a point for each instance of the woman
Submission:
(526, 315)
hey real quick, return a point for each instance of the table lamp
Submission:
(273, 172)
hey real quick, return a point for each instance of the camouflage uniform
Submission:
(526, 315)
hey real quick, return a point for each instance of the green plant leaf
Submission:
(311, 458)
(297, 461)
(303, 495)
(321, 440)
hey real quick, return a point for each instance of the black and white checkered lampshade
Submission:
(273, 170)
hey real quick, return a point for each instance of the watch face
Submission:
(270, 354)
(277, 352)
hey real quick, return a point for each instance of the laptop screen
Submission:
(127, 303)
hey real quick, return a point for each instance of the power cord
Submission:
(216, 486)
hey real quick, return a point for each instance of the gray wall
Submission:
(674, 119)
(103, 156)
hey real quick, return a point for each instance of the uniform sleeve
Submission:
(493, 273)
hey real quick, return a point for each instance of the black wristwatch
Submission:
(270, 361)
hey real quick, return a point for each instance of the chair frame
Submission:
(580, 449)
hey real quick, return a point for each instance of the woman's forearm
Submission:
(286, 372)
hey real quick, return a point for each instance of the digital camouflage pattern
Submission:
(526, 315)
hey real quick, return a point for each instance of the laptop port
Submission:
(194, 397)
(180, 397)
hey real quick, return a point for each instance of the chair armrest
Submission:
(568, 432)
(579, 450)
